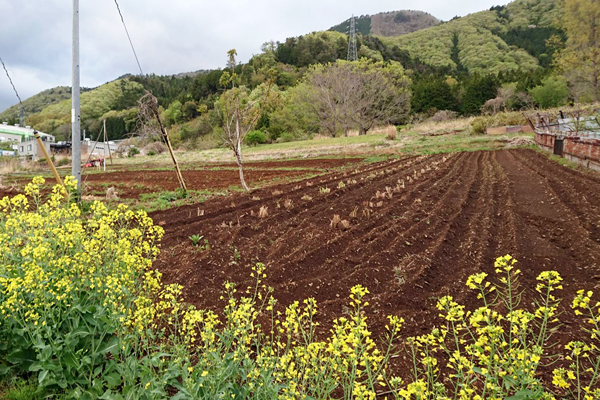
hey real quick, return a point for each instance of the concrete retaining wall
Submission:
(581, 150)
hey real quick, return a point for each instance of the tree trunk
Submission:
(595, 84)
(238, 159)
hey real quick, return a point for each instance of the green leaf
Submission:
(113, 379)
(524, 395)
(42, 376)
(70, 361)
(4, 369)
(111, 346)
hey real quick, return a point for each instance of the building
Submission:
(8, 153)
(31, 150)
(101, 149)
(24, 139)
(16, 133)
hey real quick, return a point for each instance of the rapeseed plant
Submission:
(82, 308)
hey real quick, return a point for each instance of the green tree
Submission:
(174, 114)
(478, 90)
(433, 93)
(553, 92)
(581, 22)
(189, 110)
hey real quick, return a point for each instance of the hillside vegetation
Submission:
(493, 41)
(36, 103)
(118, 95)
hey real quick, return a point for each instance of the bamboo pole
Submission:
(105, 142)
(48, 159)
(168, 143)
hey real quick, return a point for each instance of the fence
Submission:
(583, 150)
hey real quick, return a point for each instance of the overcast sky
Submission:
(169, 36)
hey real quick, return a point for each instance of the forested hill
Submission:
(393, 23)
(501, 39)
(37, 103)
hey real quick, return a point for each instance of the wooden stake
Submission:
(105, 141)
(48, 159)
(168, 143)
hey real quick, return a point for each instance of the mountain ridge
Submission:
(390, 23)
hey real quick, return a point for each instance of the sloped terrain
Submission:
(37, 103)
(487, 41)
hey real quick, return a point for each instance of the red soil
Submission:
(131, 183)
(458, 213)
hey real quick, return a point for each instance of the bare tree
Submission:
(149, 123)
(331, 91)
(359, 94)
(383, 94)
(239, 110)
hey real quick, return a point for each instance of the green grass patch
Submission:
(169, 199)
(15, 388)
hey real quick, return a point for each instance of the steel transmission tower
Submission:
(352, 53)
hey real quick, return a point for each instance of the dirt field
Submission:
(131, 181)
(454, 216)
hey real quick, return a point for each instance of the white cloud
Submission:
(169, 36)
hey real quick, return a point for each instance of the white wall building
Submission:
(102, 149)
(16, 133)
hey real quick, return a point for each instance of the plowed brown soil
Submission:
(453, 217)
(133, 181)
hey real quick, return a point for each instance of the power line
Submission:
(129, 37)
(11, 82)
(22, 116)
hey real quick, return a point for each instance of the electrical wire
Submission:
(129, 37)
(11, 82)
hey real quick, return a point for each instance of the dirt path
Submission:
(445, 218)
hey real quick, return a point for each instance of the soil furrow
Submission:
(447, 223)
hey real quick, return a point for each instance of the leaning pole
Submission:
(75, 103)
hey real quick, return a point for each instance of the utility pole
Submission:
(352, 53)
(75, 103)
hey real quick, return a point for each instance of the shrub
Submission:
(553, 92)
(254, 138)
(133, 151)
(443, 115)
(285, 138)
(479, 125)
(391, 134)
(155, 147)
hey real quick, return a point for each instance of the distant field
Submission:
(150, 182)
